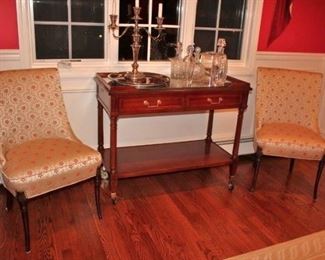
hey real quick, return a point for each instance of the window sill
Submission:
(89, 69)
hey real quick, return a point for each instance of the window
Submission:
(77, 29)
(69, 29)
(220, 19)
(150, 50)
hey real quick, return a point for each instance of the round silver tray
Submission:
(150, 80)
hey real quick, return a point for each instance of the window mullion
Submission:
(69, 29)
(188, 22)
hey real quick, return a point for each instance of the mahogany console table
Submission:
(126, 162)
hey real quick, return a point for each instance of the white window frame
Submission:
(216, 29)
(110, 61)
(151, 28)
(68, 23)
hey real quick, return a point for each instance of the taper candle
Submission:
(160, 10)
(114, 7)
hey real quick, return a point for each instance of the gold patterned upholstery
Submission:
(288, 96)
(287, 111)
(32, 107)
(39, 152)
(290, 141)
(2, 157)
(39, 166)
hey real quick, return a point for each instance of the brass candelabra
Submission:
(135, 75)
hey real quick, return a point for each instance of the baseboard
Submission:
(245, 146)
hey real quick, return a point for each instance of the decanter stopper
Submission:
(179, 49)
(221, 44)
(189, 63)
(199, 70)
(177, 70)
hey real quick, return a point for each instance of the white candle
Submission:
(114, 7)
(136, 3)
(160, 9)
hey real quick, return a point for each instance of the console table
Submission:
(119, 101)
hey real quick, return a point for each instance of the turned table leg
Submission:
(113, 159)
(234, 163)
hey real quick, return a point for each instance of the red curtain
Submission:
(280, 19)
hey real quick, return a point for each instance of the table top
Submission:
(231, 85)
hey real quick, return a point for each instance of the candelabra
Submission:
(136, 76)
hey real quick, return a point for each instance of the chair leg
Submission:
(256, 166)
(9, 200)
(292, 164)
(319, 174)
(24, 214)
(97, 192)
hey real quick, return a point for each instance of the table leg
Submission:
(234, 157)
(100, 133)
(113, 158)
(208, 139)
(210, 126)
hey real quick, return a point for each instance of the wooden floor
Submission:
(188, 215)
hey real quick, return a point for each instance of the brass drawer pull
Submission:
(147, 103)
(220, 99)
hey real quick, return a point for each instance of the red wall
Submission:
(305, 31)
(8, 25)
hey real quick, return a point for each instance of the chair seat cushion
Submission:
(39, 166)
(291, 141)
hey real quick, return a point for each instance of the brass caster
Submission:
(114, 198)
(104, 174)
(231, 186)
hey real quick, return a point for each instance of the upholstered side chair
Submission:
(286, 122)
(39, 152)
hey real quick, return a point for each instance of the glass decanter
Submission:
(219, 66)
(177, 70)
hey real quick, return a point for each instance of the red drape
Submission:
(280, 19)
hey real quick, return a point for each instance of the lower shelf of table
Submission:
(165, 158)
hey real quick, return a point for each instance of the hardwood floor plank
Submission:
(189, 215)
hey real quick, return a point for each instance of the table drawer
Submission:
(150, 104)
(214, 101)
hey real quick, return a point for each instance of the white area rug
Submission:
(307, 247)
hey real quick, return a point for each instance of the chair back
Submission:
(31, 107)
(288, 96)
